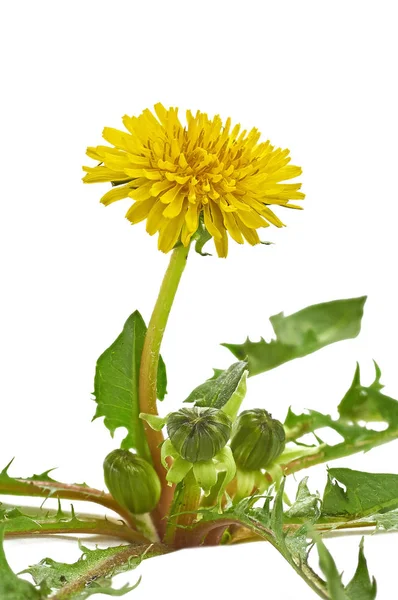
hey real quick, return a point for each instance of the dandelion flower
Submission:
(204, 171)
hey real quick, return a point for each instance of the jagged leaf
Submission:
(361, 587)
(11, 586)
(17, 521)
(116, 384)
(57, 575)
(362, 403)
(306, 505)
(92, 573)
(302, 333)
(356, 437)
(356, 494)
(216, 392)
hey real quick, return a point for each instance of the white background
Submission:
(316, 77)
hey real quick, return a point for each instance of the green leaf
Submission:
(356, 494)
(91, 574)
(17, 521)
(302, 333)
(387, 521)
(361, 587)
(116, 384)
(362, 403)
(335, 585)
(11, 586)
(306, 505)
(356, 437)
(216, 392)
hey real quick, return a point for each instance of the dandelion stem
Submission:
(149, 371)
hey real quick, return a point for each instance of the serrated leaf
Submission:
(362, 403)
(356, 437)
(328, 567)
(56, 575)
(306, 505)
(92, 573)
(18, 521)
(361, 587)
(116, 384)
(216, 392)
(11, 586)
(356, 494)
(387, 521)
(302, 333)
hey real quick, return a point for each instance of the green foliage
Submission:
(356, 494)
(18, 521)
(201, 237)
(356, 437)
(91, 574)
(215, 392)
(362, 403)
(361, 587)
(11, 586)
(302, 333)
(292, 533)
(116, 384)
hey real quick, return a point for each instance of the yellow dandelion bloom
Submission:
(205, 170)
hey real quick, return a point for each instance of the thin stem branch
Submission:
(66, 491)
(149, 371)
(339, 451)
(94, 526)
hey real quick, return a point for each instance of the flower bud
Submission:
(132, 481)
(257, 439)
(198, 434)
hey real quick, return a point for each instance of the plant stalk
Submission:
(186, 501)
(149, 372)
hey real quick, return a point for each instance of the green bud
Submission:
(257, 439)
(198, 433)
(132, 481)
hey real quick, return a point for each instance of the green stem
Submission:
(66, 491)
(186, 501)
(339, 451)
(149, 370)
(93, 526)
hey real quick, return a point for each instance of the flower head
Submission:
(179, 175)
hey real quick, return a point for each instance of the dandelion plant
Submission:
(210, 473)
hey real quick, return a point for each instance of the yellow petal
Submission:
(170, 233)
(175, 207)
(271, 217)
(140, 210)
(250, 235)
(252, 219)
(169, 196)
(232, 228)
(192, 217)
(102, 174)
(143, 192)
(209, 223)
(155, 218)
(116, 193)
(222, 245)
(161, 186)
